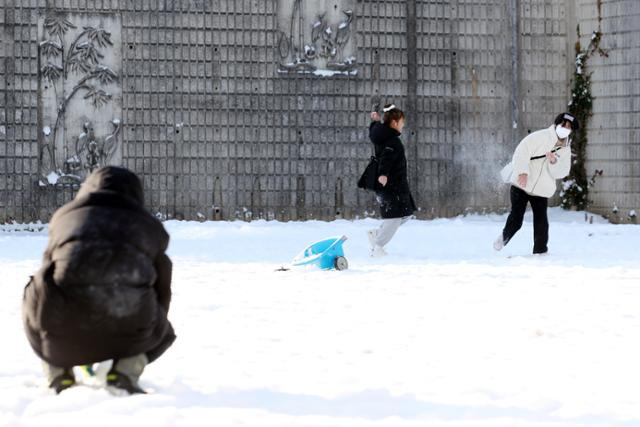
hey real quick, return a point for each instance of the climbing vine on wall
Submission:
(575, 189)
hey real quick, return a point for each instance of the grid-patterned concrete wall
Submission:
(479, 103)
(544, 65)
(198, 102)
(614, 129)
(439, 41)
(229, 109)
(18, 113)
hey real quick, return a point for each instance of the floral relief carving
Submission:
(321, 45)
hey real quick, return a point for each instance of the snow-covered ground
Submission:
(442, 332)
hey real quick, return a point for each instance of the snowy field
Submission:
(442, 332)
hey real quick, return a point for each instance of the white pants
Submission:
(52, 372)
(388, 228)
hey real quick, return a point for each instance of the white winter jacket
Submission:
(541, 174)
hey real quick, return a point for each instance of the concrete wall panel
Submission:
(238, 109)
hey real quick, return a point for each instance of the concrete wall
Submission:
(225, 112)
(614, 131)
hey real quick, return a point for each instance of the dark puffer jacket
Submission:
(395, 198)
(104, 288)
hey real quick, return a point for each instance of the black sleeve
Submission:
(374, 132)
(163, 282)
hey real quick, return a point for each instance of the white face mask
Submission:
(562, 132)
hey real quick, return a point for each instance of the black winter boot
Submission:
(63, 381)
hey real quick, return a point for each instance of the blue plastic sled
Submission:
(326, 254)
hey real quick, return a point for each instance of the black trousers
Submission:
(519, 200)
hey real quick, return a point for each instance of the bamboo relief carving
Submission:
(80, 94)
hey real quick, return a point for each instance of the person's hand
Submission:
(382, 179)
(522, 180)
(551, 157)
(375, 116)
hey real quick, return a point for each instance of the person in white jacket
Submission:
(538, 161)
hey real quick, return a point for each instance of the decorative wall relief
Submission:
(80, 95)
(316, 37)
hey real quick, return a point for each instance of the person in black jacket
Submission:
(104, 288)
(393, 195)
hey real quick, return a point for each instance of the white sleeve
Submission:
(522, 157)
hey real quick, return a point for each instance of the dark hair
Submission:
(567, 117)
(391, 113)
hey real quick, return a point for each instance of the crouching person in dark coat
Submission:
(393, 194)
(104, 288)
